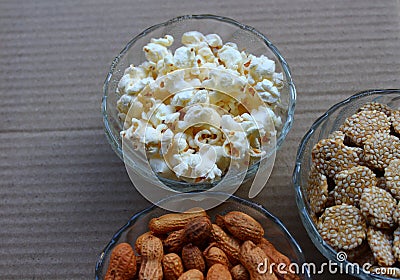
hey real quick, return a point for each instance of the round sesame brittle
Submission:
(364, 124)
(317, 190)
(361, 254)
(371, 106)
(396, 244)
(380, 243)
(392, 176)
(342, 226)
(350, 184)
(380, 149)
(331, 156)
(396, 213)
(395, 119)
(377, 206)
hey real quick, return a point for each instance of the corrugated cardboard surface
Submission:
(64, 192)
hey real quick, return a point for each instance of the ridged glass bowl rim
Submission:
(312, 231)
(285, 67)
(257, 207)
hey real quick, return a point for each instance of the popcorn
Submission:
(260, 68)
(199, 106)
(154, 52)
(214, 40)
(184, 57)
(167, 41)
(230, 56)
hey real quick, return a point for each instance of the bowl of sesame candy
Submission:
(347, 184)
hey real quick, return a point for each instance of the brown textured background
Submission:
(64, 192)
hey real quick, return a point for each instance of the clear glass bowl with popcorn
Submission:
(195, 96)
(345, 193)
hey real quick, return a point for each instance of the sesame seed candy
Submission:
(381, 183)
(331, 156)
(392, 176)
(380, 243)
(317, 190)
(360, 126)
(337, 135)
(361, 254)
(396, 243)
(380, 149)
(350, 184)
(342, 226)
(395, 120)
(377, 206)
(396, 213)
(371, 106)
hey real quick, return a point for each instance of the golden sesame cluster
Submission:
(354, 187)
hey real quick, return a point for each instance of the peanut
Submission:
(139, 241)
(172, 266)
(218, 272)
(277, 257)
(239, 272)
(197, 231)
(192, 258)
(226, 243)
(192, 274)
(215, 255)
(122, 263)
(243, 227)
(174, 242)
(251, 257)
(152, 253)
(174, 221)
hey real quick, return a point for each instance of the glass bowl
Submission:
(275, 231)
(322, 127)
(229, 30)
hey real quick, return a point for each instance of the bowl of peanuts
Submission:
(189, 98)
(347, 182)
(235, 240)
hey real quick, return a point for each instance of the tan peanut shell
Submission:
(175, 221)
(243, 227)
(251, 257)
(122, 263)
(172, 266)
(197, 231)
(218, 272)
(152, 254)
(277, 257)
(239, 272)
(139, 240)
(215, 255)
(192, 258)
(226, 243)
(174, 242)
(192, 274)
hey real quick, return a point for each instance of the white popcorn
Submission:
(230, 56)
(155, 52)
(237, 145)
(136, 86)
(167, 41)
(214, 40)
(261, 67)
(200, 96)
(192, 38)
(189, 108)
(184, 57)
(182, 98)
(201, 114)
(267, 91)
